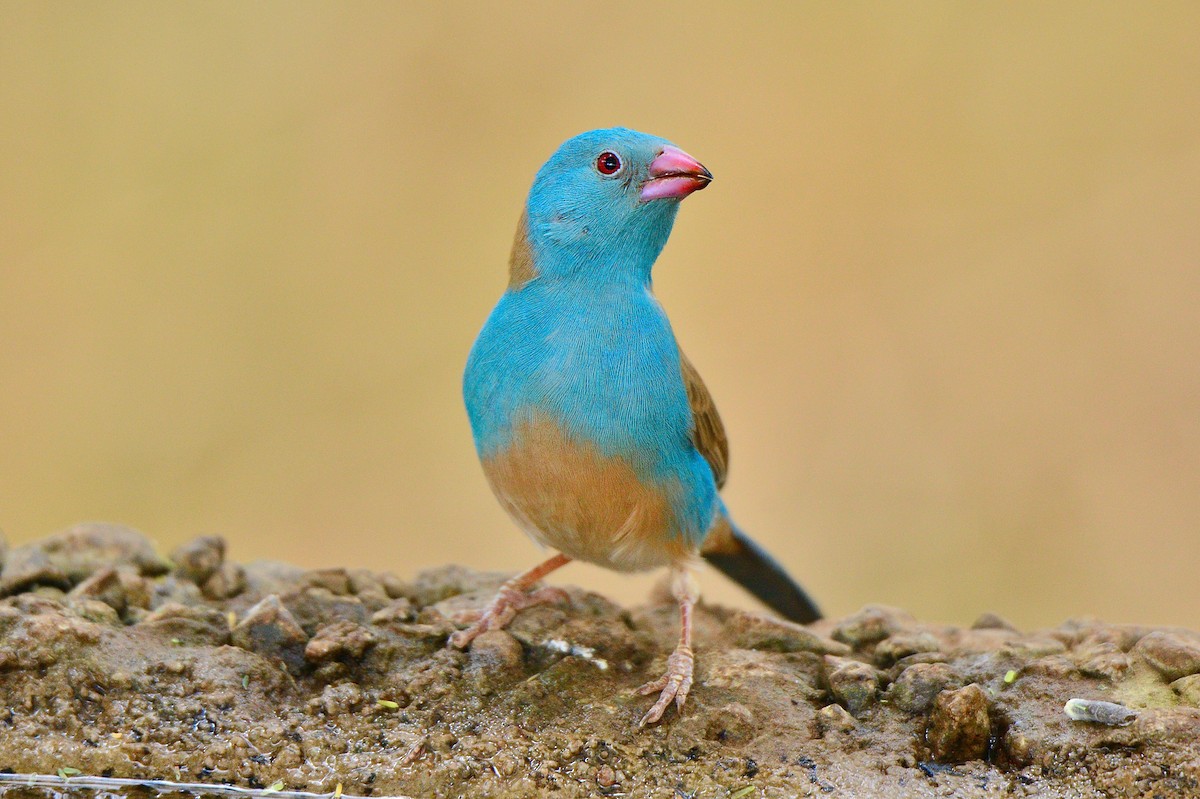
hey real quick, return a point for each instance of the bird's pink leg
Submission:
(513, 596)
(677, 681)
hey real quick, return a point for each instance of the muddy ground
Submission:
(118, 662)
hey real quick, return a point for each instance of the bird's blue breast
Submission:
(600, 362)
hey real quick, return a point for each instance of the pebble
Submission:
(342, 640)
(606, 777)
(835, 718)
(1056, 666)
(990, 621)
(1157, 727)
(190, 625)
(27, 566)
(959, 726)
(496, 651)
(369, 588)
(199, 558)
(507, 763)
(871, 625)
(84, 548)
(94, 611)
(904, 644)
(732, 724)
(269, 629)
(174, 589)
(103, 586)
(314, 606)
(853, 683)
(265, 577)
(1188, 689)
(228, 581)
(755, 631)
(919, 684)
(1034, 647)
(1171, 654)
(1103, 660)
(398, 611)
(335, 580)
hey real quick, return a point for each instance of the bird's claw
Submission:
(501, 610)
(673, 685)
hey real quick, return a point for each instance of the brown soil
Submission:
(117, 662)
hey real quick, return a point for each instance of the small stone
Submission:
(50, 592)
(398, 611)
(606, 777)
(188, 625)
(1076, 632)
(176, 590)
(854, 684)
(959, 726)
(506, 764)
(395, 587)
(1103, 660)
(336, 580)
(1156, 727)
(496, 651)
(342, 640)
(94, 611)
(228, 581)
(434, 585)
(1034, 647)
(315, 606)
(199, 558)
(27, 566)
(1056, 666)
(369, 588)
(733, 724)
(139, 592)
(269, 629)
(755, 631)
(265, 577)
(340, 699)
(990, 621)
(84, 548)
(1171, 654)
(919, 684)
(103, 586)
(835, 718)
(871, 625)
(1021, 747)
(903, 644)
(1188, 689)
(364, 580)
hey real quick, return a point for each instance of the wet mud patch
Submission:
(116, 662)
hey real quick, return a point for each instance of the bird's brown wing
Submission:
(708, 434)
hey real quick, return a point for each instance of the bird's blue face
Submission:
(604, 204)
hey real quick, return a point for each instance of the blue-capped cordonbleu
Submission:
(594, 430)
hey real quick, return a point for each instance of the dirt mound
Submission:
(119, 663)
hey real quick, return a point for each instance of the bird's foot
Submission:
(509, 600)
(673, 685)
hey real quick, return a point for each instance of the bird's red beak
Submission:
(676, 174)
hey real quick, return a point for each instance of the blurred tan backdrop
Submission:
(944, 287)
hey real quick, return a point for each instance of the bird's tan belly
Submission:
(569, 496)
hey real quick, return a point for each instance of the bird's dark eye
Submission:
(608, 163)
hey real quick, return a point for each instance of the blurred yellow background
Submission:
(944, 287)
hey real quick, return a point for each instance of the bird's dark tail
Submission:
(749, 565)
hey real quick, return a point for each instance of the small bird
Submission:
(595, 432)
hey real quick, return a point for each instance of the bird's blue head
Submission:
(602, 207)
